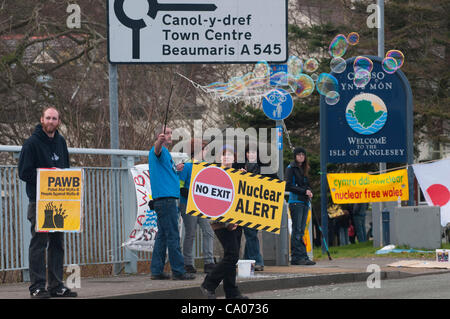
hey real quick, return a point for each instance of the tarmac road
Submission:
(311, 281)
(421, 287)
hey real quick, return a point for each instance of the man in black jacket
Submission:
(46, 148)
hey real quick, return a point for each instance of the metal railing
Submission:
(104, 219)
(109, 215)
(13, 247)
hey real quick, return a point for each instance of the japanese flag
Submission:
(434, 180)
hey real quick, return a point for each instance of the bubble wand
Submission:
(167, 109)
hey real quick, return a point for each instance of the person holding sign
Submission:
(166, 191)
(252, 248)
(229, 236)
(296, 177)
(46, 148)
(190, 222)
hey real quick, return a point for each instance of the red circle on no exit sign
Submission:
(213, 191)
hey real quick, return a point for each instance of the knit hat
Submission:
(298, 150)
(228, 147)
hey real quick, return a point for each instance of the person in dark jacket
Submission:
(229, 236)
(296, 177)
(359, 217)
(46, 148)
(191, 222)
(252, 249)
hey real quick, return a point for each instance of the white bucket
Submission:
(442, 255)
(246, 268)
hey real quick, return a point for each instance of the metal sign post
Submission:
(277, 106)
(114, 113)
(282, 244)
(323, 174)
(377, 208)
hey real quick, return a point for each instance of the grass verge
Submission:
(359, 250)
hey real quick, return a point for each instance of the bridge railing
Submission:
(109, 215)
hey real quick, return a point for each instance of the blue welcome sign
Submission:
(369, 124)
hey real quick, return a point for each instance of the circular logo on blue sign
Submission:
(278, 104)
(366, 114)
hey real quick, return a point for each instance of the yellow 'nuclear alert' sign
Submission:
(232, 196)
(59, 200)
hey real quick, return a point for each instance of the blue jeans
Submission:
(343, 236)
(168, 237)
(299, 215)
(360, 227)
(190, 230)
(252, 250)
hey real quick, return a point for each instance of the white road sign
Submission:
(197, 31)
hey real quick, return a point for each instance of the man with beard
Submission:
(46, 148)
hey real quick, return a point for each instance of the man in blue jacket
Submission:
(46, 148)
(165, 185)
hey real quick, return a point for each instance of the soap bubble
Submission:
(279, 78)
(362, 63)
(332, 98)
(247, 77)
(236, 86)
(295, 66)
(362, 77)
(338, 46)
(311, 65)
(389, 65)
(302, 85)
(262, 69)
(217, 87)
(252, 84)
(397, 55)
(353, 38)
(326, 83)
(338, 65)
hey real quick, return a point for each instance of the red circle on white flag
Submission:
(213, 191)
(439, 194)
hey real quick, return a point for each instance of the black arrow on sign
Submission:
(154, 7)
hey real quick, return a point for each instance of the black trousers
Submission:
(225, 270)
(53, 244)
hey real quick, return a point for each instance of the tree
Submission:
(43, 62)
(420, 29)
